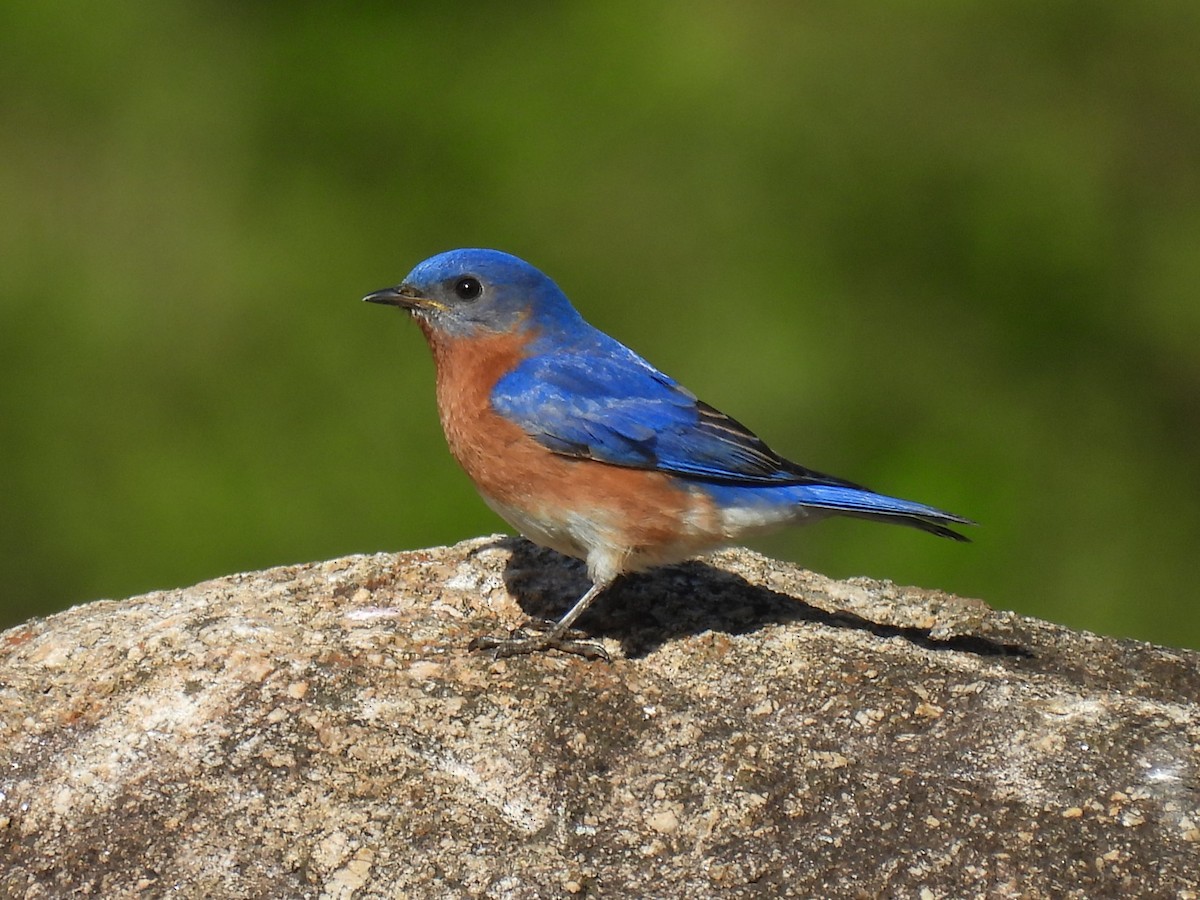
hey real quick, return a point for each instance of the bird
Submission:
(584, 447)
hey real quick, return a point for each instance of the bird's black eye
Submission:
(467, 288)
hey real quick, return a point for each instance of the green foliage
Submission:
(946, 250)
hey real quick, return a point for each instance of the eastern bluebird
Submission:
(586, 448)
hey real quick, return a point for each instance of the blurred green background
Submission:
(948, 250)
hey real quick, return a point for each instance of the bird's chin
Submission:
(422, 319)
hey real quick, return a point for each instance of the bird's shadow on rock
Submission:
(646, 610)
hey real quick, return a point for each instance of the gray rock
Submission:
(321, 731)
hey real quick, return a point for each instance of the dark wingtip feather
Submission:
(942, 531)
(929, 525)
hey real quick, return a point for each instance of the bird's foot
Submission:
(520, 643)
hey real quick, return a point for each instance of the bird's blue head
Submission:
(472, 293)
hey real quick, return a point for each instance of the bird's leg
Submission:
(553, 639)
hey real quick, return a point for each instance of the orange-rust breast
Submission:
(467, 370)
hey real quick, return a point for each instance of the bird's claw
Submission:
(519, 644)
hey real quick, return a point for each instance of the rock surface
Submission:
(321, 731)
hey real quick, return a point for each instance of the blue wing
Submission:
(607, 403)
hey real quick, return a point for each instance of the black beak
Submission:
(395, 296)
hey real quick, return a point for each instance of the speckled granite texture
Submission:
(321, 731)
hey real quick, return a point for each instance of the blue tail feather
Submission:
(842, 500)
(869, 505)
